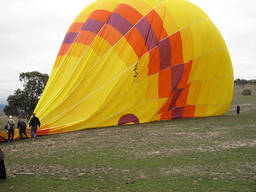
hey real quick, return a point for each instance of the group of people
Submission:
(34, 123)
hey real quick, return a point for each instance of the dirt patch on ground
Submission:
(220, 171)
(237, 144)
(204, 148)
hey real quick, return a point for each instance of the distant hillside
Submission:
(2, 107)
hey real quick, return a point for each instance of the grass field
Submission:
(212, 154)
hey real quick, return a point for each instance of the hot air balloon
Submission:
(136, 61)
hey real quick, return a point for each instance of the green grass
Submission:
(212, 154)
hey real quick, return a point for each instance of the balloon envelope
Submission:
(136, 61)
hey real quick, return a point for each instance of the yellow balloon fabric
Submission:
(136, 61)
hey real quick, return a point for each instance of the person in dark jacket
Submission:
(34, 123)
(22, 128)
(238, 110)
(2, 166)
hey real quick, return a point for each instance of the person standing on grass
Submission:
(22, 128)
(2, 166)
(238, 110)
(10, 127)
(34, 122)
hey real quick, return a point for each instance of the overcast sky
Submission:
(31, 32)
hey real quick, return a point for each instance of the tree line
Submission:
(244, 82)
(23, 102)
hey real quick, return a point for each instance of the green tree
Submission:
(23, 102)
